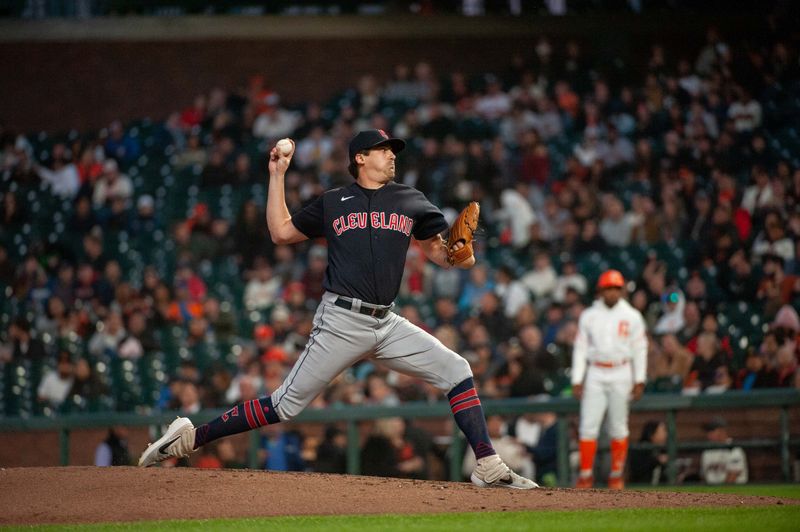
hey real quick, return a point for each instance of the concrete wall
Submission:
(86, 85)
(60, 74)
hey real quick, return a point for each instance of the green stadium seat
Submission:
(126, 384)
(153, 376)
(590, 265)
(557, 383)
(665, 385)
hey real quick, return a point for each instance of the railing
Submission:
(782, 399)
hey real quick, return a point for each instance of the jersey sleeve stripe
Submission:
(249, 414)
(262, 419)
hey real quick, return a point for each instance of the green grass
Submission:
(773, 518)
(790, 491)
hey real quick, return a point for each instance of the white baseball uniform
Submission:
(610, 354)
(716, 465)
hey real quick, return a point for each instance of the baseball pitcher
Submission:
(368, 226)
(608, 367)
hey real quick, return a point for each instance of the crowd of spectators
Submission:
(687, 174)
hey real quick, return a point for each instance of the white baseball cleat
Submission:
(177, 441)
(492, 472)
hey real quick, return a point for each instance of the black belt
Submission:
(366, 308)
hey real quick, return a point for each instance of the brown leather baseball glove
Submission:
(462, 231)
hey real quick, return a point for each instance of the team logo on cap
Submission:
(383, 134)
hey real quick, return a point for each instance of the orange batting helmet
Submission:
(611, 279)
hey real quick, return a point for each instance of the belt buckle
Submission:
(374, 311)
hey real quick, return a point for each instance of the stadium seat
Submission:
(126, 384)
(672, 384)
(153, 376)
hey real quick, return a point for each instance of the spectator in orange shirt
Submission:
(184, 308)
(208, 458)
(566, 99)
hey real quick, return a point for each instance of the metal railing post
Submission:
(785, 456)
(353, 456)
(456, 453)
(672, 448)
(252, 450)
(63, 443)
(786, 400)
(563, 450)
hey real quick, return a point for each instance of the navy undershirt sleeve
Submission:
(429, 221)
(309, 220)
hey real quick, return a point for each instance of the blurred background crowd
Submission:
(37, 9)
(137, 272)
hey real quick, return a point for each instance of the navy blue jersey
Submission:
(368, 234)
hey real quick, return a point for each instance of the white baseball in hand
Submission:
(285, 147)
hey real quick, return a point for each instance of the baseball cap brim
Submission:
(714, 424)
(396, 145)
(374, 138)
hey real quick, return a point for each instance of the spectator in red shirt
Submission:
(89, 168)
(194, 115)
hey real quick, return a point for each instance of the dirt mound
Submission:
(89, 494)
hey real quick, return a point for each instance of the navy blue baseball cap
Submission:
(372, 138)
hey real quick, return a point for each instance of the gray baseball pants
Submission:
(342, 337)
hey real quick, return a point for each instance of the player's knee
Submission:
(618, 428)
(454, 373)
(285, 409)
(285, 414)
(589, 435)
(618, 433)
(464, 370)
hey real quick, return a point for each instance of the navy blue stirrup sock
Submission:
(242, 417)
(468, 413)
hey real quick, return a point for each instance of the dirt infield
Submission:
(89, 494)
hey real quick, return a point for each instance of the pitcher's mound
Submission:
(89, 494)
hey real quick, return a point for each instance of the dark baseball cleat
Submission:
(492, 472)
(177, 441)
